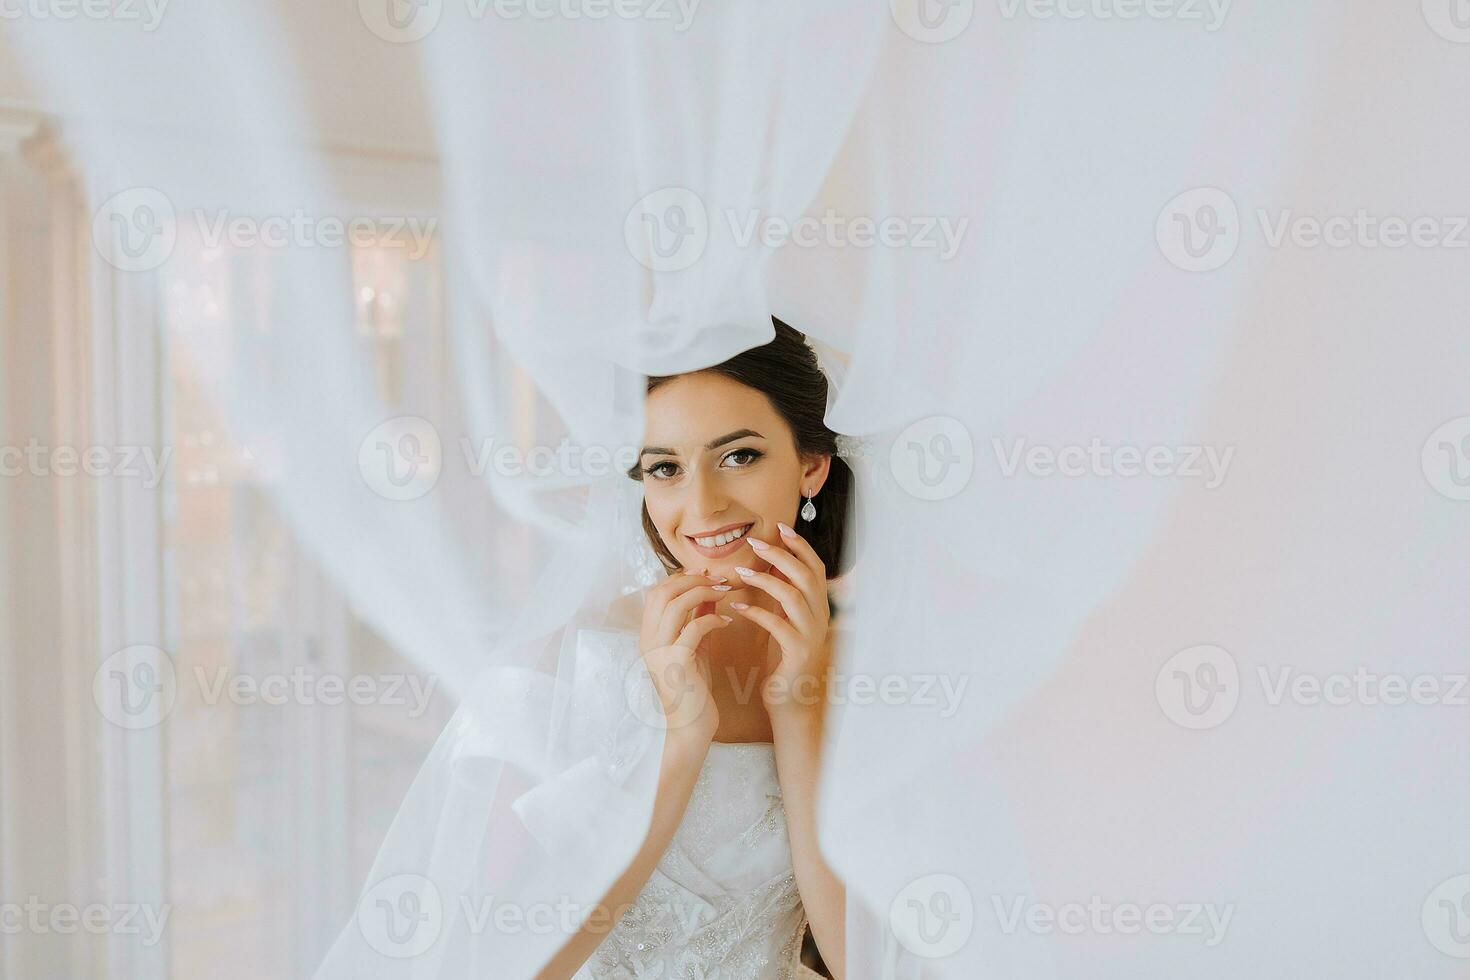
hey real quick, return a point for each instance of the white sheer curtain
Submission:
(1170, 484)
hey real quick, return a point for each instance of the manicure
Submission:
(758, 544)
(722, 588)
(739, 605)
(744, 571)
(728, 619)
(785, 531)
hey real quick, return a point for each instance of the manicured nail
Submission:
(728, 619)
(722, 588)
(758, 544)
(747, 572)
(785, 531)
(739, 605)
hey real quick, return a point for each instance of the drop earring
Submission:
(808, 509)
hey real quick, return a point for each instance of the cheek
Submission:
(659, 514)
(777, 493)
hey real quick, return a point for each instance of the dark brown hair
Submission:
(786, 371)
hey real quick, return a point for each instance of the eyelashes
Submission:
(655, 469)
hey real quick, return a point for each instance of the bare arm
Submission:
(798, 762)
(684, 753)
(676, 616)
(802, 645)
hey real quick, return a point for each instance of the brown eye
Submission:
(653, 470)
(753, 454)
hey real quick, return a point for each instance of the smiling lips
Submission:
(724, 541)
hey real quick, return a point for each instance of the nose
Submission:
(707, 499)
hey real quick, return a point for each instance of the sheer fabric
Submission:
(1133, 454)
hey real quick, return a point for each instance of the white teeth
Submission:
(720, 539)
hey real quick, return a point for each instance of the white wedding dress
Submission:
(722, 903)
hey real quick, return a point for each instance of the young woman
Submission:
(745, 503)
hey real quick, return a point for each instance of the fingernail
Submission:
(744, 571)
(739, 605)
(758, 544)
(785, 531)
(728, 619)
(722, 588)
(719, 578)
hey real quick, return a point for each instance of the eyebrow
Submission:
(712, 444)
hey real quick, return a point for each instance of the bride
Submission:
(745, 504)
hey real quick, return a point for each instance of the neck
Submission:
(743, 642)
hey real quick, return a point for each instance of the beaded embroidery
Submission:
(722, 903)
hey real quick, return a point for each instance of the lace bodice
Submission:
(722, 903)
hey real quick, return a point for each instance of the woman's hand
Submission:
(795, 694)
(676, 616)
(798, 640)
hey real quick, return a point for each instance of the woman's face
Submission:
(718, 459)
